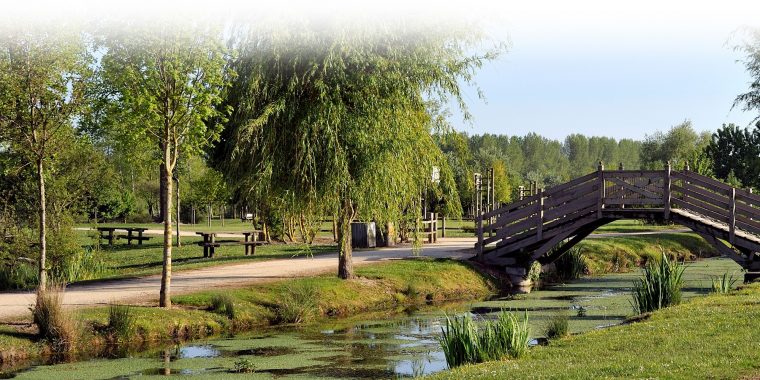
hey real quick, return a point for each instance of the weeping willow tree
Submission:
(337, 118)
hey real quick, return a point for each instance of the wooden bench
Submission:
(108, 233)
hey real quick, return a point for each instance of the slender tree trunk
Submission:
(335, 228)
(166, 275)
(345, 260)
(161, 189)
(43, 226)
(179, 241)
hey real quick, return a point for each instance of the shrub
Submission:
(723, 284)
(120, 321)
(557, 327)
(464, 343)
(223, 304)
(244, 365)
(17, 275)
(84, 264)
(659, 287)
(55, 324)
(297, 304)
(571, 265)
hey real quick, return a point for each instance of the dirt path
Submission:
(14, 306)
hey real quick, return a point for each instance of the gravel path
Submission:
(15, 305)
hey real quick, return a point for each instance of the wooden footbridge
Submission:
(544, 226)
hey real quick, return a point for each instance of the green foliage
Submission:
(571, 265)
(463, 342)
(723, 284)
(56, 325)
(85, 264)
(735, 155)
(750, 100)
(223, 304)
(659, 287)
(681, 144)
(121, 322)
(296, 304)
(244, 365)
(17, 275)
(557, 326)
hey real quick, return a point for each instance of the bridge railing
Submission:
(552, 211)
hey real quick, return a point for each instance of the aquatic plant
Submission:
(571, 265)
(84, 264)
(244, 365)
(121, 321)
(223, 304)
(723, 284)
(557, 327)
(56, 326)
(659, 287)
(464, 343)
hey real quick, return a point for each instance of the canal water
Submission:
(384, 345)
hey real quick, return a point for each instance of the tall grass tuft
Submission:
(55, 325)
(297, 304)
(571, 265)
(223, 304)
(659, 287)
(464, 343)
(723, 284)
(557, 327)
(121, 322)
(85, 264)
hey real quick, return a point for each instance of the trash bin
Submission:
(363, 235)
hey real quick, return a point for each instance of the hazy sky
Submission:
(614, 72)
(599, 67)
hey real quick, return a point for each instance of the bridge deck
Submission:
(546, 224)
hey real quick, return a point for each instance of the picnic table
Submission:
(108, 234)
(250, 241)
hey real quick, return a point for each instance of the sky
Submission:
(613, 72)
(623, 69)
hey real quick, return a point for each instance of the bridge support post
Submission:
(666, 192)
(602, 192)
(518, 275)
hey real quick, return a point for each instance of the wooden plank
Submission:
(540, 218)
(515, 216)
(747, 211)
(744, 195)
(567, 185)
(746, 225)
(578, 192)
(732, 217)
(697, 210)
(649, 174)
(635, 189)
(559, 212)
(559, 230)
(513, 229)
(707, 183)
(511, 207)
(702, 195)
(634, 201)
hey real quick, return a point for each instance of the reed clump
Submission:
(56, 326)
(463, 342)
(723, 284)
(557, 327)
(659, 287)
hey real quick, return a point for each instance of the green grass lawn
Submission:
(714, 337)
(122, 260)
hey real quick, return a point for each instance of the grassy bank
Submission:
(621, 254)
(707, 337)
(393, 284)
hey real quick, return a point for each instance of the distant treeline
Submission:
(730, 154)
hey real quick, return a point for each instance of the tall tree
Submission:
(339, 117)
(163, 85)
(42, 78)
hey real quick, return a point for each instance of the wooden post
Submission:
(749, 190)
(622, 189)
(666, 191)
(602, 191)
(732, 217)
(443, 227)
(479, 228)
(224, 208)
(540, 225)
(521, 191)
(208, 217)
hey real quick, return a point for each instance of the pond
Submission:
(381, 345)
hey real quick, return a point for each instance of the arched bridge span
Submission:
(544, 226)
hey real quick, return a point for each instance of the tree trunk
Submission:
(43, 226)
(179, 241)
(161, 189)
(166, 275)
(345, 260)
